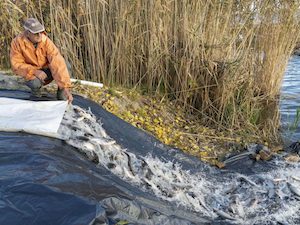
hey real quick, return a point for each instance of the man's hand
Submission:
(41, 75)
(68, 95)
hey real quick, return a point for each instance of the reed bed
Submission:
(223, 60)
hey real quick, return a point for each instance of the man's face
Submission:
(34, 38)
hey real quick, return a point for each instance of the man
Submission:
(35, 57)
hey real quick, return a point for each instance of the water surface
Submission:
(290, 101)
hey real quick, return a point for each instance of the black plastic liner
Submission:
(45, 181)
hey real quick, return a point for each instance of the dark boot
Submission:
(36, 93)
(35, 86)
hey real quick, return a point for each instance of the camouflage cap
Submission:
(33, 25)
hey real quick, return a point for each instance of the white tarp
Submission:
(42, 117)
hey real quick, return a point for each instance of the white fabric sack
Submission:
(41, 118)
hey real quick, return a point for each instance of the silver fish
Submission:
(102, 141)
(223, 214)
(294, 189)
(296, 178)
(278, 179)
(80, 119)
(242, 177)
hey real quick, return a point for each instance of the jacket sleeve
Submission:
(57, 66)
(18, 64)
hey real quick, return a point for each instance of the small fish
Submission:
(89, 146)
(80, 119)
(102, 141)
(223, 214)
(239, 209)
(149, 184)
(182, 196)
(253, 203)
(82, 113)
(86, 115)
(232, 188)
(294, 189)
(237, 157)
(296, 178)
(278, 179)
(111, 165)
(181, 185)
(298, 198)
(241, 177)
(202, 202)
(129, 163)
(127, 173)
(83, 138)
(147, 172)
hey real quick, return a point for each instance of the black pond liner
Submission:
(45, 181)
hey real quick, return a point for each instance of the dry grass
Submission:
(222, 60)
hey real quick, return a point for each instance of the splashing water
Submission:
(264, 198)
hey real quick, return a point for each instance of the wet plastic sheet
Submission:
(45, 181)
(32, 117)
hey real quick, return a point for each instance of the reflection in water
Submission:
(290, 101)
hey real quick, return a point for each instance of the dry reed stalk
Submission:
(225, 59)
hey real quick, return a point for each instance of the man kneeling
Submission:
(35, 57)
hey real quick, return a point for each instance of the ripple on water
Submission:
(290, 100)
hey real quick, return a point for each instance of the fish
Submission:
(129, 163)
(182, 196)
(86, 115)
(102, 141)
(202, 202)
(278, 179)
(253, 203)
(237, 157)
(270, 187)
(89, 146)
(296, 178)
(164, 192)
(80, 119)
(236, 207)
(241, 177)
(181, 185)
(147, 172)
(82, 113)
(298, 198)
(232, 188)
(239, 209)
(223, 214)
(149, 184)
(111, 165)
(83, 138)
(89, 151)
(294, 189)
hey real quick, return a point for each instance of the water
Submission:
(290, 101)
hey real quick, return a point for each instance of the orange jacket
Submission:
(26, 59)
